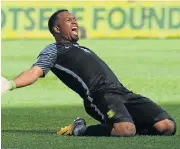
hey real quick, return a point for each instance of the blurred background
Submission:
(97, 19)
(139, 40)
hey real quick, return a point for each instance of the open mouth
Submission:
(75, 30)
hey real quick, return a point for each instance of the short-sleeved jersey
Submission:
(79, 68)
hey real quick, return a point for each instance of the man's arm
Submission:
(28, 77)
(24, 79)
(40, 68)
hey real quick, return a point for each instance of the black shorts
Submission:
(113, 107)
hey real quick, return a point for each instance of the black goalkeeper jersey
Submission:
(79, 68)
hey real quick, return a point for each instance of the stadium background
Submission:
(139, 40)
(96, 19)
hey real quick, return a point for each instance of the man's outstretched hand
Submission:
(24, 79)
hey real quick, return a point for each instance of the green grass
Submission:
(31, 115)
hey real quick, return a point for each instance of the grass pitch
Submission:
(31, 115)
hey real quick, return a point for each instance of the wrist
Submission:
(12, 85)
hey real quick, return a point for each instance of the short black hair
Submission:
(53, 18)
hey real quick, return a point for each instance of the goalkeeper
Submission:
(119, 111)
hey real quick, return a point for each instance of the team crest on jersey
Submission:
(110, 114)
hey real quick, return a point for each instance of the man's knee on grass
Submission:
(165, 127)
(124, 129)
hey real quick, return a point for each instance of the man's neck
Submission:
(62, 41)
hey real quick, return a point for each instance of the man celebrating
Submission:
(119, 111)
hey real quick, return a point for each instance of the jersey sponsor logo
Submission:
(67, 47)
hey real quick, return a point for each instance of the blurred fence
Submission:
(96, 19)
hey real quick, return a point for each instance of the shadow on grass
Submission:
(39, 120)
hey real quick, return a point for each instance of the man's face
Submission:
(68, 26)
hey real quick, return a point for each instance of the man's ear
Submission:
(56, 29)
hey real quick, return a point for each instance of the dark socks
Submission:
(152, 131)
(98, 130)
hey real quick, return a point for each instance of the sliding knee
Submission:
(165, 127)
(124, 129)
